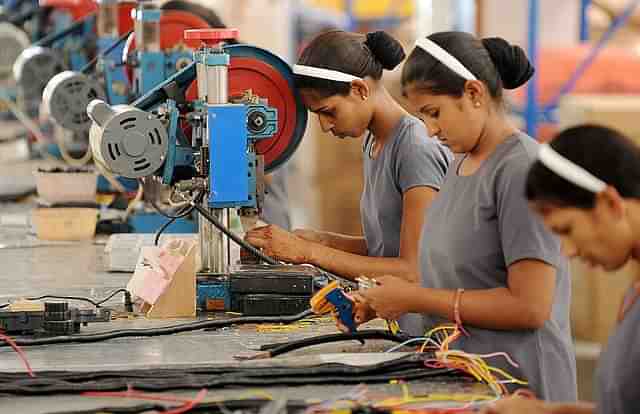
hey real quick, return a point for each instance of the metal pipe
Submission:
(217, 85)
(531, 110)
(147, 29)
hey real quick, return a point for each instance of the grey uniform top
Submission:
(478, 226)
(409, 159)
(618, 390)
(276, 200)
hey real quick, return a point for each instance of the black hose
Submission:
(249, 405)
(115, 44)
(370, 334)
(250, 248)
(213, 220)
(166, 330)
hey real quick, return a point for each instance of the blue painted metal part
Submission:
(151, 222)
(148, 15)
(228, 161)
(156, 95)
(105, 186)
(151, 71)
(217, 59)
(171, 62)
(531, 110)
(343, 307)
(167, 175)
(271, 121)
(584, 20)
(619, 21)
(212, 290)
(114, 73)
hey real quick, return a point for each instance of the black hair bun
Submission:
(510, 61)
(385, 49)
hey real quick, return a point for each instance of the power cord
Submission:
(166, 330)
(97, 304)
(213, 220)
(184, 212)
(273, 350)
(257, 252)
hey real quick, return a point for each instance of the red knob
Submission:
(210, 36)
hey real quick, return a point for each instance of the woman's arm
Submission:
(525, 303)
(346, 243)
(293, 248)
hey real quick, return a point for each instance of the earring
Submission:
(364, 98)
(476, 104)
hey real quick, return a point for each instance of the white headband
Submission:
(322, 73)
(569, 170)
(444, 57)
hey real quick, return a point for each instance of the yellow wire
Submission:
(256, 393)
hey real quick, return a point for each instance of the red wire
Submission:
(137, 395)
(19, 351)
(189, 405)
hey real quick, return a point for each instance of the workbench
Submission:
(31, 268)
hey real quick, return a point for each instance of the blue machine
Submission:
(246, 102)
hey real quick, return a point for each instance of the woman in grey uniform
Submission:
(339, 75)
(487, 262)
(586, 187)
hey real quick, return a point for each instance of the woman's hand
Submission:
(362, 313)
(391, 298)
(280, 244)
(312, 236)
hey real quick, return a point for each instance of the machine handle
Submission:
(211, 37)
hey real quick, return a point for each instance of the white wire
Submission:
(412, 340)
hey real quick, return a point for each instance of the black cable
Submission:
(369, 334)
(78, 298)
(408, 368)
(161, 230)
(108, 50)
(213, 220)
(250, 248)
(251, 405)
(167, 330)
(112, 294)
(184, 212)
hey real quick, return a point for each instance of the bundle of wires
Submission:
(438, 341)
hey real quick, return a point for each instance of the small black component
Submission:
(269, 304)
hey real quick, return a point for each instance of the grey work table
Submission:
(32, 268)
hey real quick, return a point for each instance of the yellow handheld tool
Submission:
(332, 298)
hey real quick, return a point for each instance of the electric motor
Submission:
(34, 68)
(128, 141)
(66, 97)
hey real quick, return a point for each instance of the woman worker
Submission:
(586, 187)
(487, 262)
(339, 76)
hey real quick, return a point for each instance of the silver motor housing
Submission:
(66, 97)
(13, 41)
(126, 140)
(34, 68)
